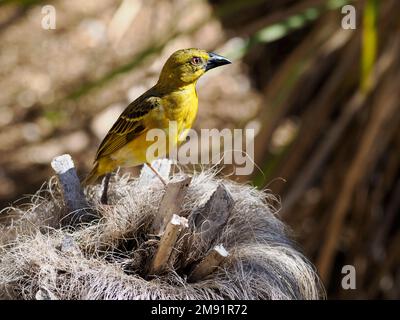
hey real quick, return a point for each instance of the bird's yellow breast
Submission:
(180, 107)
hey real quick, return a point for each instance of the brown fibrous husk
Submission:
(108, 258)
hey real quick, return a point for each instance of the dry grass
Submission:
(108, 259)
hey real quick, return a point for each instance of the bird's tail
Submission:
(92, 176)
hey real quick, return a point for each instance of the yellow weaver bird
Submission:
(173, 98)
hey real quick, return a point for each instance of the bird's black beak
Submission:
(216, 60)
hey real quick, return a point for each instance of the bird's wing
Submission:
(128, 126)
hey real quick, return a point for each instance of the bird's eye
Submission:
(196, 61)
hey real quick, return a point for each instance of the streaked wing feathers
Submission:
(128, 126)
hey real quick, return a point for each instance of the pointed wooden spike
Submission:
(167, 243)
(209, 264)
(170, 204)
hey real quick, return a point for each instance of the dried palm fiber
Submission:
(108, 259)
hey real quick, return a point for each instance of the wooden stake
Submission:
(210, 262)
(212, 217)
(167, 243)
(74, 197)
(207, 223)
(170, 204)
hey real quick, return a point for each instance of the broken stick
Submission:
(167, 243)
(211, 261)
(210, 219)
(170, 203)
(73, 195)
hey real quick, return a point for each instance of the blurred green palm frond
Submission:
(369, 43)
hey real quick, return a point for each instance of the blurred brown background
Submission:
(325, 101)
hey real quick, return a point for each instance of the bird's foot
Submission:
(157, 174)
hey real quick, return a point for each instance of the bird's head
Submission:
(186, 66)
